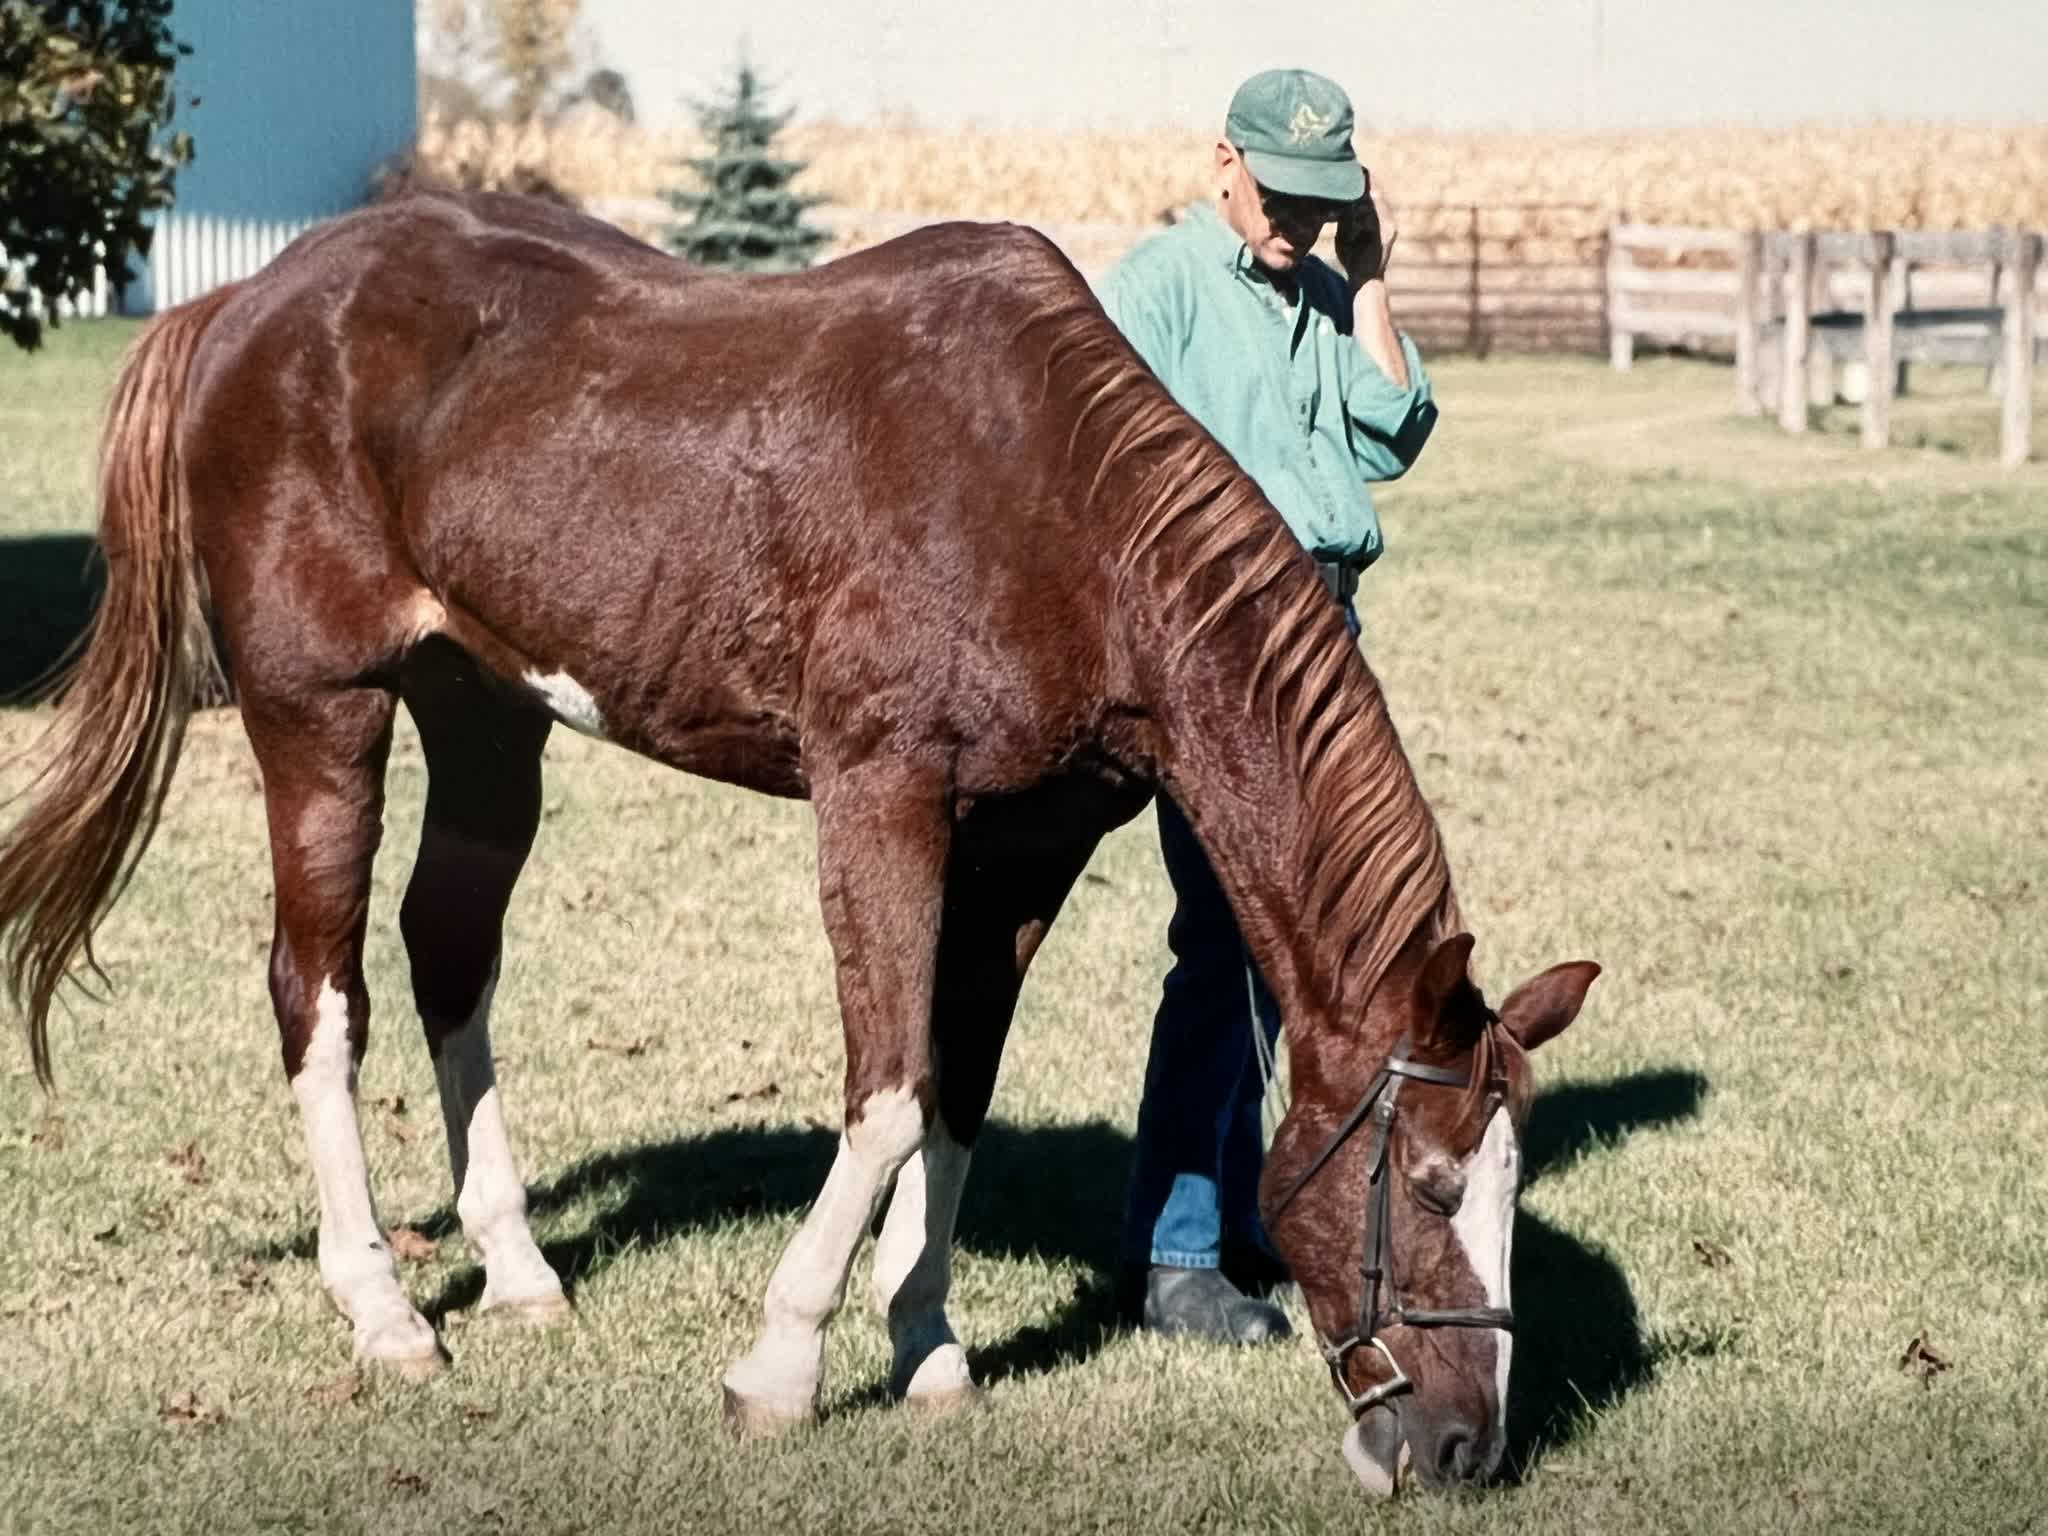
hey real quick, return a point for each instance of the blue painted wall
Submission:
(299, 102)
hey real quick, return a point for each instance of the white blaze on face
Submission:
(1485, 1229)
(568, 701)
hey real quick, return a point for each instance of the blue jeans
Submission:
(1195, 1175)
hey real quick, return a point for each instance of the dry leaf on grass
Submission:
(190, 1163)
(404, 1481)
(40, 1306)
(107, 1233)
(345, 1388)
(250, 1277)
(49, 1132)
(413, 1244)
(1713, 1255)
(637, 1046)
(476, 1413)
(184, 1410)
(394, 1107)
(1920, 1358)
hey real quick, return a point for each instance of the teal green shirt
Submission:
(1283, 386)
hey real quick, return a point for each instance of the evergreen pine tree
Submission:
(746, 218)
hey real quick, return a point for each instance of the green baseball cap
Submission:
(1293, 128)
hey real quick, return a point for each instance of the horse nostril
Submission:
(1457, 1458)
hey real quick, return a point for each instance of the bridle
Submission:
(1382, 1097)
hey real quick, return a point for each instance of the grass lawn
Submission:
(1756, 722)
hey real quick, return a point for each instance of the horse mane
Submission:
(1376, 868)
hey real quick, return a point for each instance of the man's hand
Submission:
(1365, 237)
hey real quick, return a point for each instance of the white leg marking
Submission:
(569, 701)
(355, 1261)
(1485, 1228)
(779, 1379)
(490, 1197)
(914, 1271)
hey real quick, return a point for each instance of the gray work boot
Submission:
(1202, 1303)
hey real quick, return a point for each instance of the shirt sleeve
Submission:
(1389, 424)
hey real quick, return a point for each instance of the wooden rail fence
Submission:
(1846, 313)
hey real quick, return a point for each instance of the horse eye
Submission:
(1440, 1199)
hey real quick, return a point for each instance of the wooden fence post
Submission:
(1877, 344)
(2015, 438)
(1478, 333)
(1797, 335)
(1749, 325)
(1994, 374)
(1820, 362)
(1902, 303)
(1621, 343)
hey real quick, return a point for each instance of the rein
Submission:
(1381, 1103)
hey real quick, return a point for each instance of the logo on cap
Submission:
(1306, 124)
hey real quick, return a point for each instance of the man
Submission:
(1298, 372)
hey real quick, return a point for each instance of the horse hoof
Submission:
(422, 1365)
(543, 1311)
(407, 1346)
(946, 1402)
(760, 1418)
(418, 1368)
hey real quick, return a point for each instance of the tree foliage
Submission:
(85, 155)
(746, 217)
(532, 48)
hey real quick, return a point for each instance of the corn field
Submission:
(1892, 175)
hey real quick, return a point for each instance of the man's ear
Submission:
(1226, 165)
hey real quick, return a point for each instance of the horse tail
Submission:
(113, 746)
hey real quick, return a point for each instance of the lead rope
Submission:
(1272, 1092)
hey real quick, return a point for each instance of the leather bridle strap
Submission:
(1380, 1101)
(1397, 1066)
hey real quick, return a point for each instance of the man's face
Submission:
(1278, 228)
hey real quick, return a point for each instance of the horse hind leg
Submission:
(323, 755)
(483, 756)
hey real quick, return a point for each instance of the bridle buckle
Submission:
(1380, 1103)
(1361, 1403)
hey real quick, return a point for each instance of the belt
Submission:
(1341, 579)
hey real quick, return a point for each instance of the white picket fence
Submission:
(195, 253)
(86, 306)
(191, 254)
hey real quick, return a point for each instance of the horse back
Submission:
(732, 517)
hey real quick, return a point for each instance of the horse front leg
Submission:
(997, 909)
(882, 839)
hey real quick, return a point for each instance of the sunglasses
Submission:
(1292, 211)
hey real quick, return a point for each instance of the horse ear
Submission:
(1443, 973)
(1539, 1009)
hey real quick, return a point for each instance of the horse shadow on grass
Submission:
(1055, 1192)
(50, 587)
(1579, 1343)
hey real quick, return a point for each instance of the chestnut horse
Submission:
(914, 535)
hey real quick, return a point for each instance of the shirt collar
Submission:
(1232, 252)
(1218, 236)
